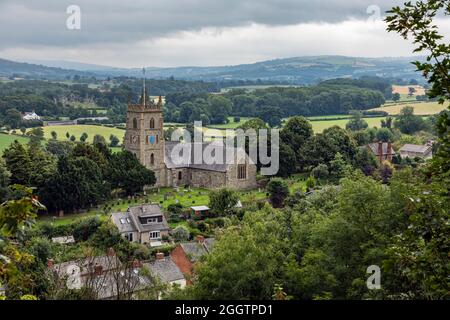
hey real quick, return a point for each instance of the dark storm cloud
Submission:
(43, 22)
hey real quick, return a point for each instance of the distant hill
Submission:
(11, 69)
(299, 70)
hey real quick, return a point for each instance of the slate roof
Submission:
(165, 269)
(416, 148)
(131, 220)
(147, 211)
(190, 161)
(195, 250)
(123, 222)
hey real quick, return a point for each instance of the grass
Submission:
(77, 131)
(404, 90)
(7, 139)
(231, 124)
(319, 126)
(420, 108)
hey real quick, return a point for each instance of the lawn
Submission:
(77, 131)
(420, 108)
(7, 139)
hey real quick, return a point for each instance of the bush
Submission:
(181, 233)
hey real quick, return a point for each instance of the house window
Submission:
(152, 220)
(134, 123)
(152, 159)
(180, 175)
(152, 123)
(155, 235)
(242, 171)
(129, 237)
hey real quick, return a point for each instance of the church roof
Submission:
(189, 162)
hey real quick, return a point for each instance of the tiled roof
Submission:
(165, 269)
(375, 148)
(190, 161)
(415, 148)
(147, 210)
(123, 222)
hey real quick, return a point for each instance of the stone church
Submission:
(145, 138)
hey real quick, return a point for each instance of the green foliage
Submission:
(127, 173)
(356, 122)
(278, 190)
(223, 202)
(407, 122)
(311, 183)
(181, 233)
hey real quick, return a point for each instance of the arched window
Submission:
(180, 175)
(152, 123)
(134, 123)
(152, 159)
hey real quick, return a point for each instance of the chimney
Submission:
(380, 151)
(98, 269)
(200, 239)
(111, 252)
(159, 256)
(50, 263)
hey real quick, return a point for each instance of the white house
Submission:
(28, 116)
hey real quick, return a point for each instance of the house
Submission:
(29, 116)
(200, 211)
(382, 150)
(145, 224)
(105, 276)
(187, 253)
(165, 269)
(415, 150)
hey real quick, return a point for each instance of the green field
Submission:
(420, 108)
(7, 139)
(319, 126)
(231, 124)
(77, 131)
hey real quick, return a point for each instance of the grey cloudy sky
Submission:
(196, 32)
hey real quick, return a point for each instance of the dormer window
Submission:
(152, 220)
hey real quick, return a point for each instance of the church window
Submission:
(134, 123)
(152, 159)
(180, 175)
(152, 123)
(242, 171)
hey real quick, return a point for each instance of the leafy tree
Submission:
(338, 167)
(411, 91)
(387, 123)
(310, 183)
(384, 135)
(23, 130)
(13, 118)
(127, 173)
(396, 97)
(271, 115)
(294, 134)
(18, 162)
(366, 161)
(356, 122)
(223, 202)
(16, 216)
(72, 138)
(54, 135)
(278, 190)
(114, 141)
(320, 172)
(5, 178)
(67, 135)
(84, 137)
(99, 139)
(287, 159)
(407, 122)
(386, 171)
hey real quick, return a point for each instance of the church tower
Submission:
(144, 135)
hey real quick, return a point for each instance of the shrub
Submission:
(181, 233)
